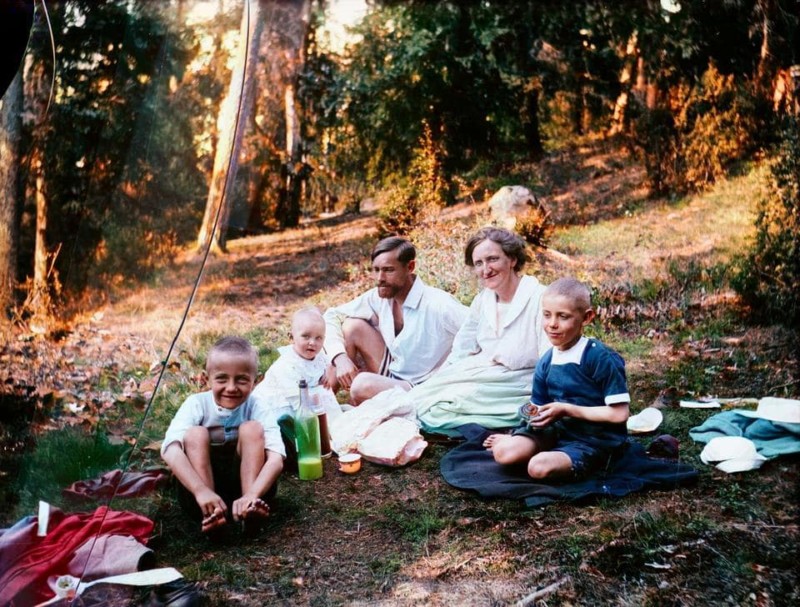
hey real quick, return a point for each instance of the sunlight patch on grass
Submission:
(711, 226)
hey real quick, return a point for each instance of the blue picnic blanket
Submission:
(470, 466)
(771, 438)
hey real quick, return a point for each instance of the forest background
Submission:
(422, 104)
(252, 130)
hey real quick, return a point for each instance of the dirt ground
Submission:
(403, 536)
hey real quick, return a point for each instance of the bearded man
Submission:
(394, 335)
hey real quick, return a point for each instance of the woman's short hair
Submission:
(512, 244)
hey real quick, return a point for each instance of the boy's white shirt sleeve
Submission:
(364, 307)
(190, 413)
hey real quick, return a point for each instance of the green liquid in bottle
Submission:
(309, 468)
(309, 462)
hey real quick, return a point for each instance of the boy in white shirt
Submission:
(222, 428)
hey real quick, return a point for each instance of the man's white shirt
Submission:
(431, 319)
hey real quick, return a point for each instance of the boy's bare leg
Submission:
(197, 447)
(260, 469)
(510, 449)
(549, 464)
(253, 457)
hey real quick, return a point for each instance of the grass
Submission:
(59, 459)
(415, 522)
(704, 229)
(402, 536)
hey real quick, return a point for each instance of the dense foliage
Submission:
(769, 278)
(424, 98)
(121, 175)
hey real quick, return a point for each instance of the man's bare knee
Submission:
(354, 330)
(362, 389)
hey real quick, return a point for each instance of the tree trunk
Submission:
(533, 137)
(10, 130)
(640, 88)
(766, 64)
(39, 300)
(625, 82)
(295, 171)
(288, 212)
(231, 123)
(40, 249)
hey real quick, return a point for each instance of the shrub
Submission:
(535, 226)
(718, 125)
(768, 278)
(429, 179)
(138, 244)
(708, 126)
(429, 188)
(400, 212)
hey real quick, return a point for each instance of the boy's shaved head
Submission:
(572, 289)
(234, 347)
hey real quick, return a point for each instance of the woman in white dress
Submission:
(488, 374)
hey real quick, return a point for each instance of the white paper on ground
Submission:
(700, 404)
(44, 518)
(149, 577)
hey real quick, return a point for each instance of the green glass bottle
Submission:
(307, 437)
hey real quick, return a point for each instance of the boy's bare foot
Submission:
(257, 510)
(213, 521)
(254, 517)
(491, 440)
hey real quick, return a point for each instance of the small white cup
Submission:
(350, 463)
(65, 586)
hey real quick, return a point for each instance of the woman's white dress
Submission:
(489, 372)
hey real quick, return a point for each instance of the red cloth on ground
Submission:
(26, 560)
(126, 484)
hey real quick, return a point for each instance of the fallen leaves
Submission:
(76, 381)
